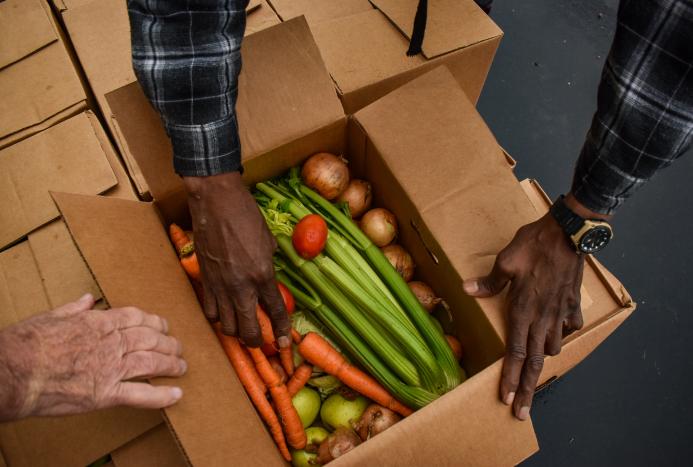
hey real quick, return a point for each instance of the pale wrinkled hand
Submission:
(545, 275)
(75, 359)
(235, 248)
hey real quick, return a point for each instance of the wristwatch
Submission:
(588, 235)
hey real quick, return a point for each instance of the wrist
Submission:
(202, 187)
(582, 211)
(15, 374)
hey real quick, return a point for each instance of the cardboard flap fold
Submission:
(486, 434)
(155, 448)
(316, 11)
(24, 28)
(135, 265)
(443, 31)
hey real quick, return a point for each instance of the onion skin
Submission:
(401, 260)
(380, 225)
(327, 174)
(358, 196)
(455, 346)
(375, 420)
(425, 294)
(339, 443)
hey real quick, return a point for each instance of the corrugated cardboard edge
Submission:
(155, 448)
(54, 119)
(133, 168)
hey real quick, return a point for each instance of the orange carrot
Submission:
(265, 327)
(299, 379)
(254, 386)
(179, 238)
(286, 355)
(276, 364)
(293, 428)
(186, 251)
(295, 336)
(320, 353)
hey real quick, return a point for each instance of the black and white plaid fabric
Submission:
(644, 118)
(187, 57)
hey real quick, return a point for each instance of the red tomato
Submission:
(310, 236)
(289, 302)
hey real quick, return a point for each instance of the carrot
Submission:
(286, 355)
(266, 330)
(293, 428)
(276, 364)
(254, 386)
(295, 336)
(299, 379)
(186, 251)
(320, 353)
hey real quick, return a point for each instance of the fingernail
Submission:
(183, 366)
(523, 414)
(470, 286)
(176, 393)
(87, 297)
(509, 398)
(284, 341)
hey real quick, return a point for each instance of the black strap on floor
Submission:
(417, 34)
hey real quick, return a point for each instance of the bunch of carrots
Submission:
(259, 377)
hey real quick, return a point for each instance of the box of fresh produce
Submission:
(377, 218)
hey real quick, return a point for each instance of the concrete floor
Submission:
(630, 402)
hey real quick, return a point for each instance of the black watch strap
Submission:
(566, 218)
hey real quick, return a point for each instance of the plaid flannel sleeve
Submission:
(187, 58)
(644, 117)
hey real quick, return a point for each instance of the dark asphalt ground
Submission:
(629, 403)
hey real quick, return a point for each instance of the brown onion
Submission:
(327, 174)
(400, 260)
(425, 294)
(339, 443)
(374, 420)
(380, 225)
(358, 196)
(455, 346)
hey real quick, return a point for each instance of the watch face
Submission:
(595, 239)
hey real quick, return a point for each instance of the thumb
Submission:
(487, 286)
(84, 303)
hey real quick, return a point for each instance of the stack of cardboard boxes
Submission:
(333, 76)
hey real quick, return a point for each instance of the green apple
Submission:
(302, 458)
(307, 403)
(340, 411)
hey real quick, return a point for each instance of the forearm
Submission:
(644, 118)
(186, 56)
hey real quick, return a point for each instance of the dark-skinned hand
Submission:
(545, 274)
(234, 248)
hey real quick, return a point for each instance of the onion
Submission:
(400, 260)
(358, 196)
(425, 294)
(339, 443)
(455, 346)
(327, 174)
(380, 225)
(374, 420)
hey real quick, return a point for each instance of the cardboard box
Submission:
(364, 45)
(155, 448)
(38, 83)
(435, 164)
(100, 33)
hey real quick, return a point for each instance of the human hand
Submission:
(75, 359)
(545, 275)
(234, 248)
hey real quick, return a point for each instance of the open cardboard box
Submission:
(364, 43)
(38, 83)
(435, 164)
(100, 33)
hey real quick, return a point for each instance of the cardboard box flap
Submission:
(155, 448)
(24, 28)
(487, 433)
(316, 11)
(443, 31)
(135, 265)
(67, 156)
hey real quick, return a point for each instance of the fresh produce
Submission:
(339, 410)
(327, 174)
(374, 420)
(380, 226)
(318, 351)
(337, 444)
(455, 346)
(269, 346)
(425, 294)
(276, 364)
(289, 302)
(186, 251)
(299, 378)
(307, 457)
(307, 404)
(310, 236)
(254, 386)
(326, 385)
(358, 197)
(293, 428)
(401, 260)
